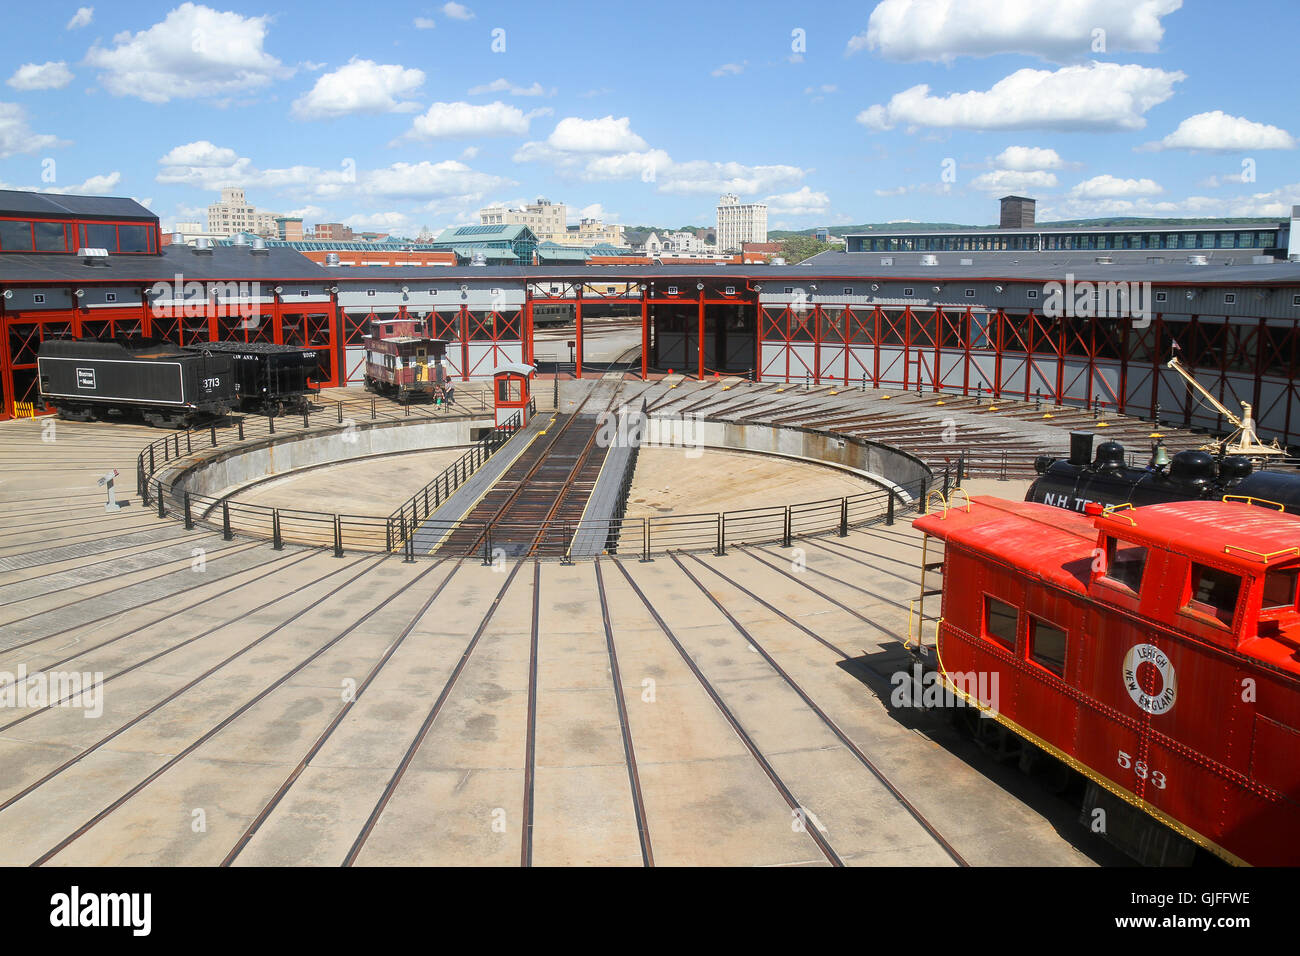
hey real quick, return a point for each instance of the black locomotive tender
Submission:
(272, 379)
(1074, 482)
(169, 386)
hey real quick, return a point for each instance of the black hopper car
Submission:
(272, 379)
(1081, 479)
(165, 385)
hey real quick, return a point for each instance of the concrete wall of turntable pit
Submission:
(866, 458)
(212, 471)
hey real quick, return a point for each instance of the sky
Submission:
(398, 116)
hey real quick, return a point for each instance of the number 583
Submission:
(1142, 771)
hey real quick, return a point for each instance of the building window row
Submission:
(1058, 242)
(17, 235)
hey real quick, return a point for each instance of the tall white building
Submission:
(739, 223)
(233, 214)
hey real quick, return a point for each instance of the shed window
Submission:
(1229, 298)
(15, 236)
(370, 292)
(304, 293)
(1047, 645)
(1162, 296)
(1125, 563)
(1214, 592)
(50, 237)
(1000, 620)
(1280, 589)
(970, 293)
(1031, 294)
(848, 290)
(907, 291)
(132, 238)
(39, 298)
(110, 296)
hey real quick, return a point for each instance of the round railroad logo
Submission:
(1150, 678)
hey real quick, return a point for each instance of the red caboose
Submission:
(1153, 649)
(403, 360)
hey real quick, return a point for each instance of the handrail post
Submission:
(945, 482)
(645, 539)
(270, 420)
(487, 545)
(151, 464)
(844, 517)
(277, 540)
(785, 538)
(339, 406)
(372, 407)
(226, 533)
(189, 517)
(338, 537)
(388, 535)
(214, 436)
(162, 513)
(568, 544)
(240, 423)
(189, 442)
(306, 423)
(889, 508)
(721, 549)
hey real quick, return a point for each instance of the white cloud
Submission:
(17, 137)
(597, 211)
(389, 222)
(194, 52)
(424, 23)
(1024, 158)
(452, 120)
(1218, 131)
(307, 212)
(208, 166)
(1014, 181)
(457, 11)
(646, 165)
(1274, 204)
(729, 69)
(801, 202)
(891, 191)
(94, 186)
(1100, 96)
(943, 30)
(361, 86)
(503, 85)
(54, 75)
(1112, 187)
(702, 176)
(607, 135)
(469, 152)
(81, 18)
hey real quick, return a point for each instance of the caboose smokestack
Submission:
(1081, 448)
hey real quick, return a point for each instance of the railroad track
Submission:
(533, 507)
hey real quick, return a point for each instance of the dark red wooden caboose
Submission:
(403, 360)
(1156, 650)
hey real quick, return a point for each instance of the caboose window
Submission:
(1280, 589)
(1214, 592)
(1000, 620)
(1125, 563)
(1047, 645)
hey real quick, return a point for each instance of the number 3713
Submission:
(1142, 771)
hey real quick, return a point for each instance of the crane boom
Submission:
(1244, 441)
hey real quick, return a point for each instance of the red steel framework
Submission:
(963, 350)
(308, 324)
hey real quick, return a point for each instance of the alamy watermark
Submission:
(922, 688)
(84, 689)
(1100, 300)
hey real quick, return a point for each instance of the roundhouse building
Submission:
(1069, 327)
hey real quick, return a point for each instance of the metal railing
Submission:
(413, 538)
(432, 495)
(232, 431)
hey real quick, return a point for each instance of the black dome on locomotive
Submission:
(1110, 456)
(1193, 467)
(1234, 467)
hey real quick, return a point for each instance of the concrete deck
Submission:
(264, 707)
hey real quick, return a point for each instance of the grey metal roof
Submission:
(235, 262)
(223, 262)
(57, 206)
(1052, 229)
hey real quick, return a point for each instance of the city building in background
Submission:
(232, 214)
(739, 223)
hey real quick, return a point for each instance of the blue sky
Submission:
(398, 115)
